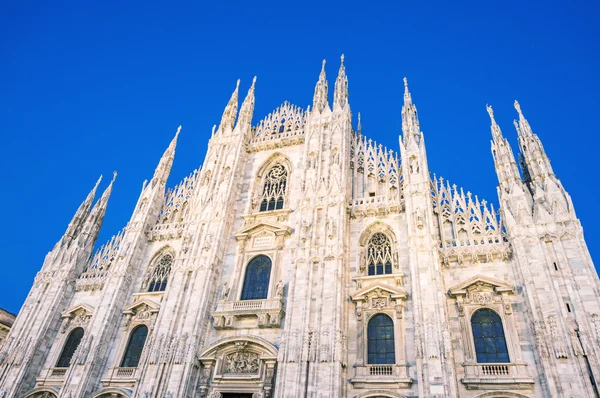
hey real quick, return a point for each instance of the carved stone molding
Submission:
(76, 316)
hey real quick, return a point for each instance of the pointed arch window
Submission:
(274, 189)
(256, 281)
(135, 346)
(488, 336)
(73, 341)
(380, 334)
(379, 254)
(159, 275)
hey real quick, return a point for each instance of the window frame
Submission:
(504, 336)
(130, 336)
(64, 346)
(368, 339)
(245, 274)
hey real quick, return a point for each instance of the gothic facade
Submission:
(305, 260)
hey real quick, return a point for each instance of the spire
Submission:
(320, 101)
(496, 132)
(82, 212)
(410, 121)
(166, 162)
(340, 94)
(247, 109)
(535, 162)
(359, 125)
(504, 159)
(230, 112)
(93, 223)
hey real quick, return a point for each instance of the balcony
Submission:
(497, 376)
(381, 376)
(268, 313)
(120, 377)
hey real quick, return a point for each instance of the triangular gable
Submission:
(498, 285)
(132, 309)
(275, 228)
(395, 293)
(71, 311)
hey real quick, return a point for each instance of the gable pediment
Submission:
(263, 228)
(379, 289)
(496, 285)
(78, 309)
(144, 304)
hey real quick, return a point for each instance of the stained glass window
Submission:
(488, 335)
(69, 349)
(380, 333)
(256, 282)
(135, 346)
(273, 196)
(379, 254)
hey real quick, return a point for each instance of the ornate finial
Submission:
(518, 108)
(323, 66)
(359, 126)
(405, 83)
(178, 130)
(254, 81)
(237, 85)
(342, 58)
(114, 176)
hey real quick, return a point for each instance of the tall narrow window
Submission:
(379, 254)
(69, 349)
(273, 196)
(380, 334)
(137, 338)
(256, 282)
(159, 275)
(488, 335)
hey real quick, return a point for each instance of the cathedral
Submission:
(305, 260)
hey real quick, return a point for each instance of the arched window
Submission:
(256, 282)
(488, 335)
(380, 334)
(137, 338)
(69, 349)
(157, 279)
(379, 254)
(273, 195)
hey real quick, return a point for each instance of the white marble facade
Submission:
(268, 271)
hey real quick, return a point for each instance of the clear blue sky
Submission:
(90, 87)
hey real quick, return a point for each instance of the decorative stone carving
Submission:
(241, 362)
(560, 350)
(540, 339)
(433, 346)
(325, 349)
(330, 228)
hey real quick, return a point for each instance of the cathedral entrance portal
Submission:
(236, 395)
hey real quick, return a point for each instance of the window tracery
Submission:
(379, 254)
(274, 188)
(156, 281)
